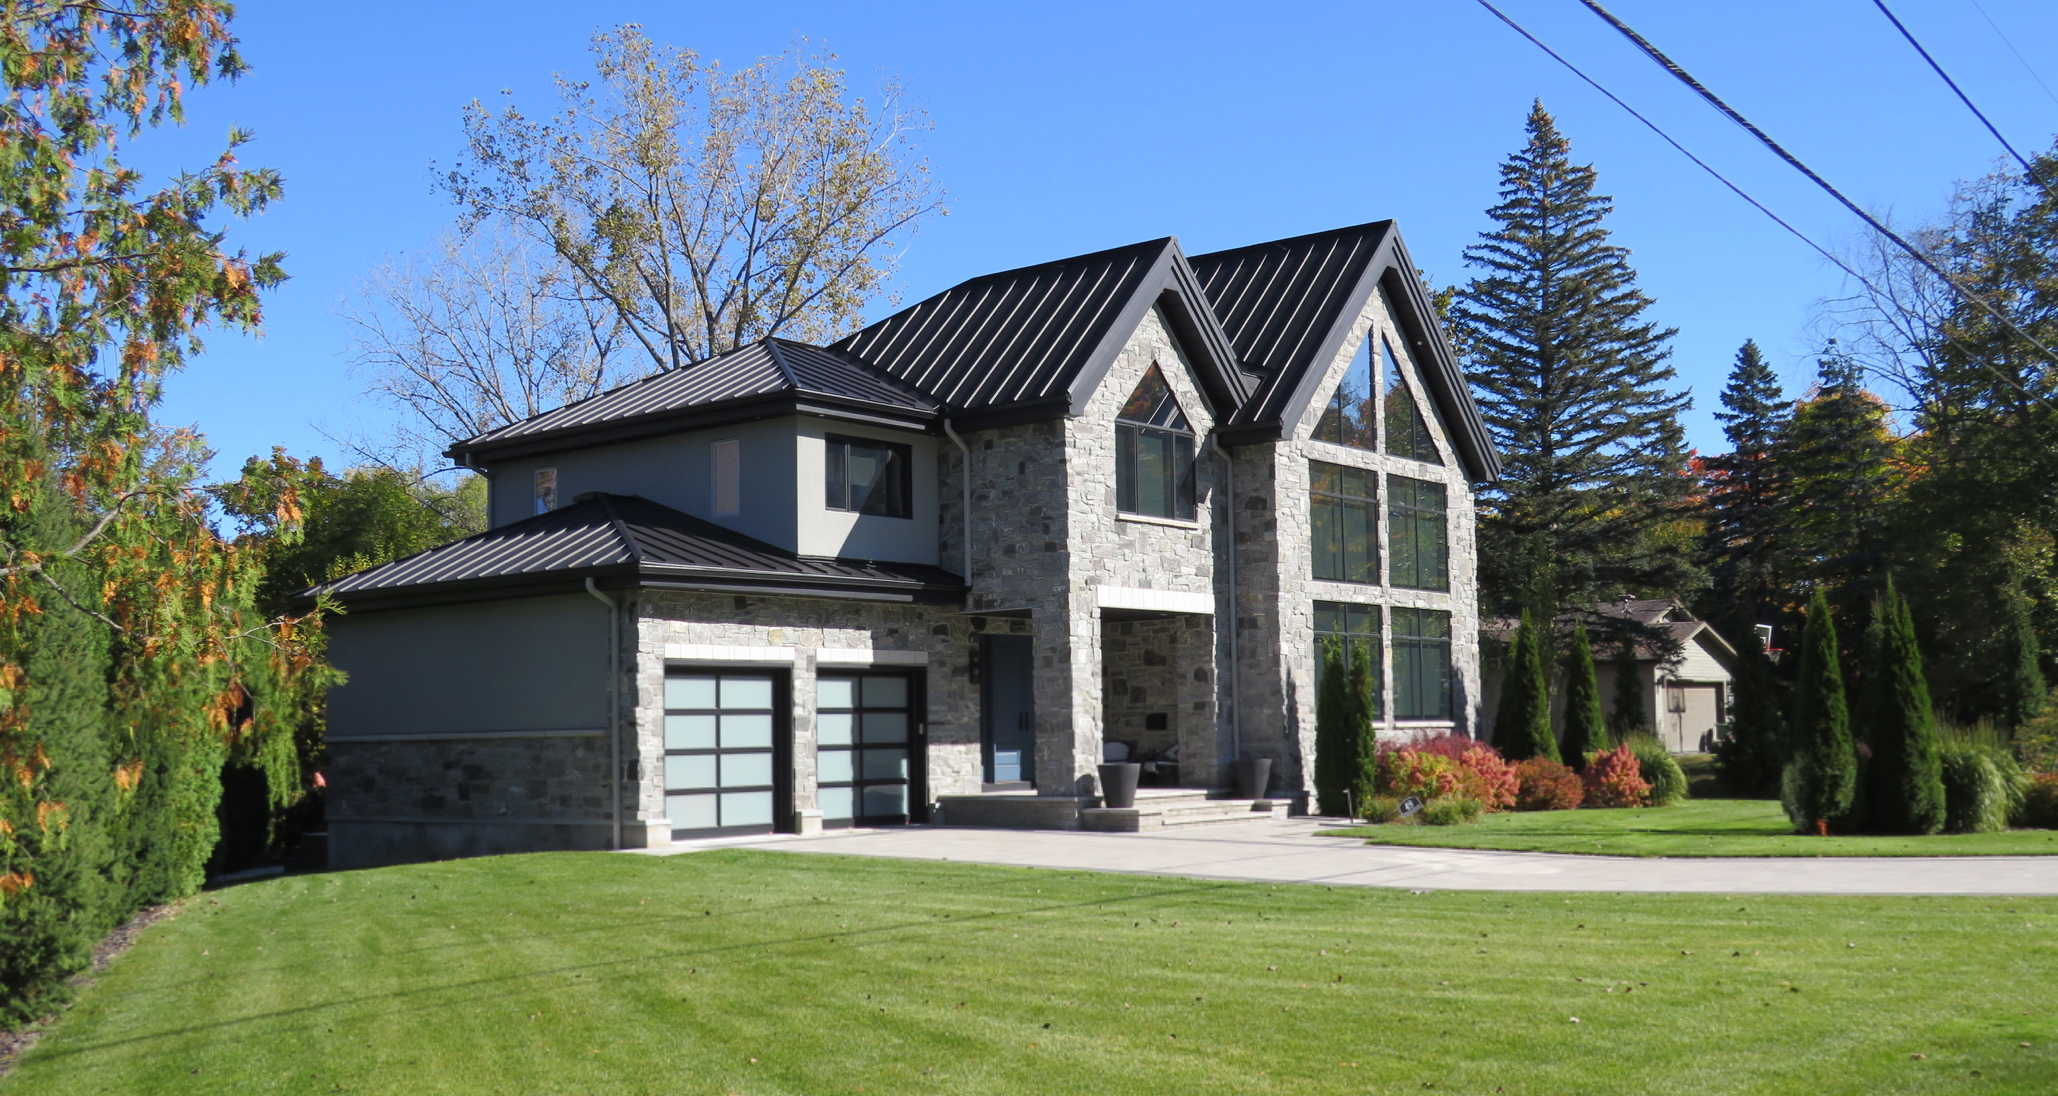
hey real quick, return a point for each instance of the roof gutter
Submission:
(965, 482)
(1235, 664)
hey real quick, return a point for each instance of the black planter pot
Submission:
(1253, 777)
(1118, 783)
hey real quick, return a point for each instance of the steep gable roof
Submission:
(1033, 342)
(771, 376)
(625, 537)
(1288, 305)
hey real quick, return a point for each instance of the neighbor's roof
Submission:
(1288, 305)
(770, 376)
(634, 541)
(1667, 626)
(1039, 338)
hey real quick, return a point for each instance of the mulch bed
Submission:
(14, 1044)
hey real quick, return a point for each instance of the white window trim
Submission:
(714, 477)
(1146, 519)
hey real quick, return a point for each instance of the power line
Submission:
(1833, 258)
(1793, 161)
(2002, 35)
(1960, 92)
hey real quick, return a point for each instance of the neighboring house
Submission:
(1683, 673)
(946, 560)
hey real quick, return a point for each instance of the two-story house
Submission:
(1118, 497)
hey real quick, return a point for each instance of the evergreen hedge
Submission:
(1585, 729)
(1820, 781)
(1660, 770)
(1750, 759)
(1343, 726)
(1522, 725)
(1904, 790)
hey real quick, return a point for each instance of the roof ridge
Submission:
(1161, 241)
(1300, 238)
(621, 528)
(771, 346)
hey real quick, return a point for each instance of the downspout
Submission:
(1235, 664)
(965, 508)
(614, 705)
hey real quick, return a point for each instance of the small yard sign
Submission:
(1410, 805)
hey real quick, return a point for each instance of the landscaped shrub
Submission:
(2040, 802)
(1380, 809)
(1403, 771)
(1585, 728)
(1477, 770)
(1344, 706)
(1657, 766)
(1749, 760)
(1451, 811)
(1820, 782)
(1904, 786)
(1614, 779)
(1522, 724)
(1546, 785)
(1975, 790)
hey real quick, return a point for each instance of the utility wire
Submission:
(1833, 258)
(1960, 92)
(2002, 35)
(1651, 51)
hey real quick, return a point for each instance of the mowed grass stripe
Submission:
(615, 974)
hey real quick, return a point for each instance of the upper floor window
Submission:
(1350, 418)
(869, 477)
(1419, 531)
(726, 468)
(546, 490)
(1344, 515)
(1154, 453)
(1407, 432)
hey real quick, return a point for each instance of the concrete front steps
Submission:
(1155, 809)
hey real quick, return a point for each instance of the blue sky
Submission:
(1062, 128)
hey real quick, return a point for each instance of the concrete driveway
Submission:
(1287, 851)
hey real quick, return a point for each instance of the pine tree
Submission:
(1628, 718)
(1570, 380)
(1585, 730)
(1905, 783)
(1750, 759)
(1744, 543)
(1821, 778)
(1522, 725)
(1343, 725)
(1839, 459)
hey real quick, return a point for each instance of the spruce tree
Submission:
(1750, 759)
(1343, 721)
(1905, 783)
(1571, 381)
(1585, 730)
(1744, 545)
(1522, 725)
(1821, 778)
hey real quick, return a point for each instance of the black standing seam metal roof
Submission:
(768, 367)
(626, 535)
(1288, 305)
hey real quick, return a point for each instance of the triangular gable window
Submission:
(1349, 419)
(1407, 432)
(1154, 453)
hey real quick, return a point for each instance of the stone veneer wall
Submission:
(397, 799)
(1276, 594)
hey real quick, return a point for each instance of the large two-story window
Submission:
(1421, 664)
(1154, 453)
(1348, 628)
(1352, 416)
(1419, 530)
(1344, 515)
(865, 476)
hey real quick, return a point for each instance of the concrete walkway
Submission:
(1287, 851)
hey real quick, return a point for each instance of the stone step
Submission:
(1179, 813)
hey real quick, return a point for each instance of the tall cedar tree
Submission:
(1840, 460)
(1585, 729)
(2026, 690)
(1821, 778)
(1343, 725)
(1570, 380)
(1742, 490)
(1904, 778)
(1750, 759)
(1629, 714)
(1522, 725)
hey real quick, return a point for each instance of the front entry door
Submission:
(868, 741)
(1009, 705)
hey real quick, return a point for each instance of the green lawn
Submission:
(1711, 827)
(763, 973)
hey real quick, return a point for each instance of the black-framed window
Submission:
(1407, 432)
(865, 731)
(1154, 453)
(1421, 664)
(1419, 528)
(1350, 417)
(1343, 514)
(867, 476)
(723, 736)
(1354, 626)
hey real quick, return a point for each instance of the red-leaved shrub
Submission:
(1447, 764)
(1615, 779)
(2040, 802)
(1546, 785)
(1402, 771)
(1493, 780)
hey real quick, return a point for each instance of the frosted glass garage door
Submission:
(721, 771)
(864, 742)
